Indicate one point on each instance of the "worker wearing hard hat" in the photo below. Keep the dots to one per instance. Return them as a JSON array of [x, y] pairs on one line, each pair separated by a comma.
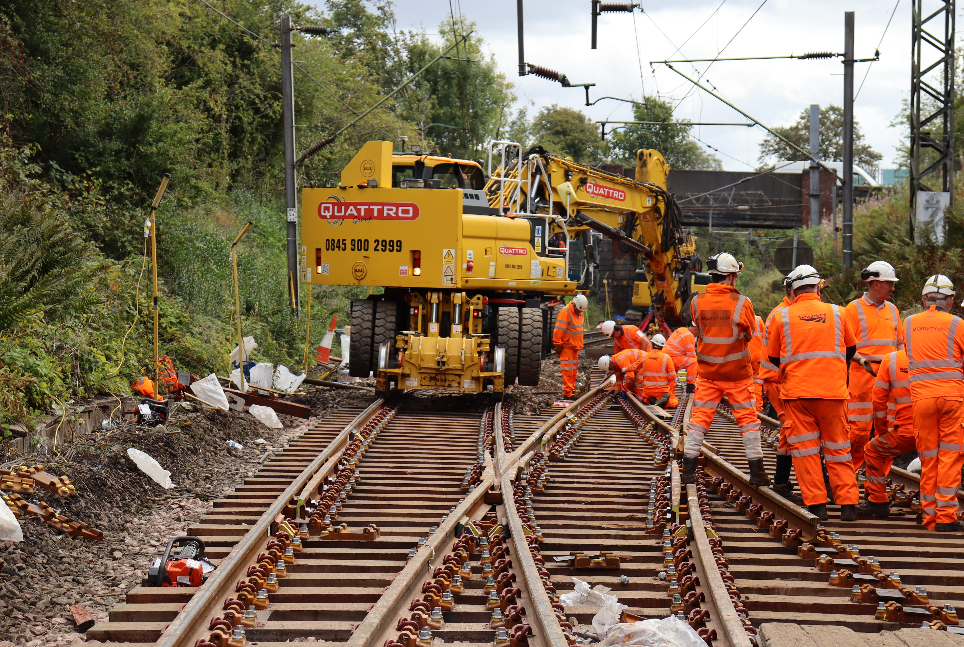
[[567, 339], [625, 365], [935, 350], [681, 348], [656, 383], [770, 375], [725, 323], [876, 324], [624, 336], [812, 344], [893, 431]]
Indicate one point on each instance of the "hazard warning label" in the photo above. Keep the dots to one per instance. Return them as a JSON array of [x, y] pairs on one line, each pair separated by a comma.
[[448, 267]]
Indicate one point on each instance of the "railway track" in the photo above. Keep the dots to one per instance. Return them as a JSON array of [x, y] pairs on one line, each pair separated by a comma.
[[406, 538]]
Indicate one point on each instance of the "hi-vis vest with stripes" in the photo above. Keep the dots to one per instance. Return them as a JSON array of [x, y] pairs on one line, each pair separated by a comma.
[[897, 389], [568, 328], [863, 340], [721, 341], [923, 376], [813, 364]]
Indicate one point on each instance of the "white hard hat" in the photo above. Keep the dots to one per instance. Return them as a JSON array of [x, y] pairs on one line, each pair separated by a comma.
[[723, 263], [879, 271], [603, 363], [939, 284], [658, 340], [580, 301], [607, 328], [803, 275]]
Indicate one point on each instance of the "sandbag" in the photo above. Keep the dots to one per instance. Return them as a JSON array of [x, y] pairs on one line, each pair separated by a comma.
[[249, 345], [286, 381], [209, 390], [151, 467], [9, 526], [266, 415]]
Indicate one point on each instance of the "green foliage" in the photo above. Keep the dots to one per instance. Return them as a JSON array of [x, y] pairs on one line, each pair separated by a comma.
[[568, 132], [670, 137], [831, 141]]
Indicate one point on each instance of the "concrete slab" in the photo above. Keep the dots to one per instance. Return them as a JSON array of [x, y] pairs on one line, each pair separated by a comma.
[[837, 636], [784, 634], [929, 638]]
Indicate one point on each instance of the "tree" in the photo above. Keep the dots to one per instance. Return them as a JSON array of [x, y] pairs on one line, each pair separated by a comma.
[[831, 141], [670, 137], [461, 101], [567, 132]]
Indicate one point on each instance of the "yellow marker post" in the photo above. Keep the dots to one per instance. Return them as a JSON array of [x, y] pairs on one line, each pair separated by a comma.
[[153, 227]]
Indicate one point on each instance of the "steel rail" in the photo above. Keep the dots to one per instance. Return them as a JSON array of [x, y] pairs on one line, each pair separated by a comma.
[[727, 621], [381, 616], [192, 622]]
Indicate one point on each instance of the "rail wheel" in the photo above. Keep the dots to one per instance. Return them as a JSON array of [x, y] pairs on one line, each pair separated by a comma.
[[530, 347], [362, 332], [508, 336]]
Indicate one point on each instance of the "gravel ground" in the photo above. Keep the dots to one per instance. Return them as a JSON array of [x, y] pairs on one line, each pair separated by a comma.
[[49, 571]]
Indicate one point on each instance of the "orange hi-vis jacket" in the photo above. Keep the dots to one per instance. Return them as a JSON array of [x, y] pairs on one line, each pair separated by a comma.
[[757, 352], [568, 330], [935, 346], [892, 405], [811, 340], [726, 322], [876, 327], [628, 363], [658, 375], [680, 345], [769, 372], [631, 337]]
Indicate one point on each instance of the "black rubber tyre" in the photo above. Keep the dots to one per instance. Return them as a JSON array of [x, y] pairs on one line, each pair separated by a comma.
[[530, 347], [362, 328], [508, 336], [549, 328], [386, 317]]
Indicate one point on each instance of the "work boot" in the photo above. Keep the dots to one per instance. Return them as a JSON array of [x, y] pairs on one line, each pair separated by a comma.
[[758, 474], [954, 526], [819, 510], [661, 402], [873, 509], [786, 491], [848, 512], [688, 473]]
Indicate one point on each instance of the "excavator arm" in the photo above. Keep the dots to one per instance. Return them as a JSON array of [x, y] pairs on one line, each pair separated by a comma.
[[638, 214]]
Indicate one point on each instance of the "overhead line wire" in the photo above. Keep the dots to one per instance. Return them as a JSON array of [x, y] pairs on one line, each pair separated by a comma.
[[867, 73], [230, 19]]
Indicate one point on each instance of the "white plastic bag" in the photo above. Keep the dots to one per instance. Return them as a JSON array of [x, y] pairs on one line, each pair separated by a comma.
[[266, 415], [249, 345], [151, 467], [607, 617], [286, 381], [236, 378], [262, 375], [209, 390], [665, 632], [9, 526], [914, 466]]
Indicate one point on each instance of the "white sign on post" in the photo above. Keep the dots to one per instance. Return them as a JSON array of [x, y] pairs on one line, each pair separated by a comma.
[[929, 222]]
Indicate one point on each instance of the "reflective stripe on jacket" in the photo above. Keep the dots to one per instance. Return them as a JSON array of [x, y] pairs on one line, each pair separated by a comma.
[[876, 327], [680, 346], [892, 404], [630, 337], [628, 363], [725, 322], [568, 330], [811, 340], [658, 373], [769, 372], [935, 346]]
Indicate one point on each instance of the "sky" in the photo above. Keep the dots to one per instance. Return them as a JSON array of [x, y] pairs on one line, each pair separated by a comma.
[[557, 35]]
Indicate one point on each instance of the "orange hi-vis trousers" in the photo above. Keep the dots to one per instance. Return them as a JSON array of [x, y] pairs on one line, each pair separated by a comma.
[[707, 398], [860, 410], [879, 454], [758, 393], [772, 389], [569, 366], [810, 424], [940, 442]]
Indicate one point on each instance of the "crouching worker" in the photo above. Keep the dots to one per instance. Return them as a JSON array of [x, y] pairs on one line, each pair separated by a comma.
[[656, 383], [625, 365]]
